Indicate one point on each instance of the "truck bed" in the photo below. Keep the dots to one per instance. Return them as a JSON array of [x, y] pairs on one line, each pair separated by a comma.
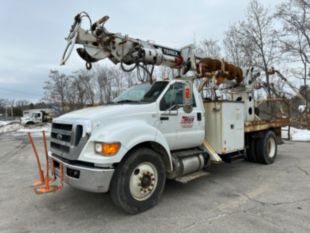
[[253, 126]]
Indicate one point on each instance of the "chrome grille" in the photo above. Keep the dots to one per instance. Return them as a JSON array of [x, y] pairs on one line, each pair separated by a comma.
[[66, 140]]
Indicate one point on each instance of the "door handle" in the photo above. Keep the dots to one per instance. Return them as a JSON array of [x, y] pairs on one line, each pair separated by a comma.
[[199, 116], [164, 118]]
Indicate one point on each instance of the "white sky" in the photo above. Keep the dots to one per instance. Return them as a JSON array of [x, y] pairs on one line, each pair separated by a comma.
[[33, 31]]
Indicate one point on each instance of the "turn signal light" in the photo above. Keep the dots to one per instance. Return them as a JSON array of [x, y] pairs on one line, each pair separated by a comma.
[[107, 148]]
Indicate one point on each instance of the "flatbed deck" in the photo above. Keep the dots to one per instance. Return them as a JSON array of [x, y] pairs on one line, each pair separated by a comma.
[[253, 126]]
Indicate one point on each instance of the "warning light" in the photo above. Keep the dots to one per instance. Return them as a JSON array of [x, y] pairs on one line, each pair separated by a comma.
[[187, 92]]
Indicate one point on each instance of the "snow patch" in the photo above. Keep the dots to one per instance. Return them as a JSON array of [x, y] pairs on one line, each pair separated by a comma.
[[16, 129], [10, 127], [35, 131], [297, 134]]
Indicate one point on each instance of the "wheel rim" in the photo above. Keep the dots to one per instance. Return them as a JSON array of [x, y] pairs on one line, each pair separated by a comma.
[[271, 147], [143, 181]]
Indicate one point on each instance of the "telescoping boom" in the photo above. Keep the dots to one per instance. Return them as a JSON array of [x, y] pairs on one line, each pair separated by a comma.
[[98, 44]]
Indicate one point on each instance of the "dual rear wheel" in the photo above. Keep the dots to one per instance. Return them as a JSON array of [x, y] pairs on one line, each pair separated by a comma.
[[262, 148]]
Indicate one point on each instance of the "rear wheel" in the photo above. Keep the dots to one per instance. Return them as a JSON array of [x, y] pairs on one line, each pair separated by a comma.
[[266, 148], [251, 152], [138, 181]]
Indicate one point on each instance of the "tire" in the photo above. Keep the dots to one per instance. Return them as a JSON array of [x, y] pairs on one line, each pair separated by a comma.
[[138, 181], [266, 148], [251, 153]]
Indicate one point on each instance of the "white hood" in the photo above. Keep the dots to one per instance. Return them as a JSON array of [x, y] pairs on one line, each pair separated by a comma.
[[107, 112]]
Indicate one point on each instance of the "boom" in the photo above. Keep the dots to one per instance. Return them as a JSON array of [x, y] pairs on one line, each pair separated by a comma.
[[98, 44]]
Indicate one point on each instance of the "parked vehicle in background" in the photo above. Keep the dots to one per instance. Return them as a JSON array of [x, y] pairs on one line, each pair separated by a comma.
[[36, 116]]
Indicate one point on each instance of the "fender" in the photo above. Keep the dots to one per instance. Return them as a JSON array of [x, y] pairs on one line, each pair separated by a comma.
[[129, 134]]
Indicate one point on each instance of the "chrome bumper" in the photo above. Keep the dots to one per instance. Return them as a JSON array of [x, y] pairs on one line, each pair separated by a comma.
[[95, 180]]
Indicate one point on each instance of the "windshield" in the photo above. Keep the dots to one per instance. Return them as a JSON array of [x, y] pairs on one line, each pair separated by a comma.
[[144, 93]]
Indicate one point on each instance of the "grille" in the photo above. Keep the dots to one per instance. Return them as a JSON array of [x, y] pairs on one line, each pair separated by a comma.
[[65, 139]]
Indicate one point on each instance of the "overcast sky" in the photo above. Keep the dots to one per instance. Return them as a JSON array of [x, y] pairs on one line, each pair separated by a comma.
[[32, 32]]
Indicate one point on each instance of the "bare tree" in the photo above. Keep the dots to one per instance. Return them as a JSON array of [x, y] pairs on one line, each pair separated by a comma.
[[208, 48], [104, 84], [4, 103], [56, 88], [294, 16], [85, 87], [238, 48], [118, 80], [164, 72], [254, 40], [130, 78]]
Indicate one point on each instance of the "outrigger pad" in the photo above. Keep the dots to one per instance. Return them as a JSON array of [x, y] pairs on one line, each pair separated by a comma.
[[50, 189]]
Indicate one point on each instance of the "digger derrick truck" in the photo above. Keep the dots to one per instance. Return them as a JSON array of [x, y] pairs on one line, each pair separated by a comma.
[[164, 130]]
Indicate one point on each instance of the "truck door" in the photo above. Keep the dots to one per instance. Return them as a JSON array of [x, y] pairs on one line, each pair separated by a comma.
[[182, 130], [37, 117]]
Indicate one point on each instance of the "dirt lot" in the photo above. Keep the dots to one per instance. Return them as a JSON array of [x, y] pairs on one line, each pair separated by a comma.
[[237, 197]]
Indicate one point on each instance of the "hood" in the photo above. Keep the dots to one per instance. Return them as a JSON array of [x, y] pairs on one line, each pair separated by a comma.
[[107, 112]]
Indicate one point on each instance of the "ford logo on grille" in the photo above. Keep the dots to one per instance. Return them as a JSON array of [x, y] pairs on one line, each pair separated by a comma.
[[59, 136]]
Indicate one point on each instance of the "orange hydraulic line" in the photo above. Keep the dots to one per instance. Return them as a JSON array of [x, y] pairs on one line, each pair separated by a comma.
[[41, 181]]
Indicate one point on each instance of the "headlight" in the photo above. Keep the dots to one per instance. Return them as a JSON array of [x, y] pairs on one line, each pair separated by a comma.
[[107, 149]]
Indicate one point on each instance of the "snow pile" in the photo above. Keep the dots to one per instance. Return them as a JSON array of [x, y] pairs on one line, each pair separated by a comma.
[[9, 127], [3, 123], [35, 132], [15, 128], [297, 134]]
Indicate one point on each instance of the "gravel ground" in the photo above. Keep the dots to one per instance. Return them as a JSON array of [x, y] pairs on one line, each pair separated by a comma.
[[236, 197]]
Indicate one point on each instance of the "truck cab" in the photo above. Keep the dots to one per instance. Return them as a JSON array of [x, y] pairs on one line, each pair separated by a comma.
[[91, 143]]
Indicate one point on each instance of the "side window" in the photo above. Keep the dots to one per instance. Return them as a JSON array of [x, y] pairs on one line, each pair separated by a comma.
[[174, 97]]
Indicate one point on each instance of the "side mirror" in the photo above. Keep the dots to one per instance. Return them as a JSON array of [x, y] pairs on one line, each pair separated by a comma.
[[188, 97]]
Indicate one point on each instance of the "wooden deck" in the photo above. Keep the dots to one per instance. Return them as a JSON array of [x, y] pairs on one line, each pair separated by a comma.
[[253, 126]]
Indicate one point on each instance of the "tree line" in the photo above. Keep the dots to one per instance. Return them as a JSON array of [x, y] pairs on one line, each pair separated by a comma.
[[86, 88]]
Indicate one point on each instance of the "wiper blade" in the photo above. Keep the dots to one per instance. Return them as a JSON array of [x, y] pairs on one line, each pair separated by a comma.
[[127, 101]]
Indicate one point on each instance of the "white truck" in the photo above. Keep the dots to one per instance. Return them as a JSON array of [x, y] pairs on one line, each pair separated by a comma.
[[153, 132], [35, 116]]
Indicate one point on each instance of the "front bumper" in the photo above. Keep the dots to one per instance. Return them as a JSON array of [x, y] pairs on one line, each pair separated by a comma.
[[90, 179]]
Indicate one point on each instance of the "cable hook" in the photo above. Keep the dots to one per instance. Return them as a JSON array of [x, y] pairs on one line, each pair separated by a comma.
[[88, 65]]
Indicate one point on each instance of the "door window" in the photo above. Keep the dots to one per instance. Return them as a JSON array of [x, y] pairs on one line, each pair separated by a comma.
[[173, 98]]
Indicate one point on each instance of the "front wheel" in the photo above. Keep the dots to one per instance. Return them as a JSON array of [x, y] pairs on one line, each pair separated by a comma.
[[138, 181]]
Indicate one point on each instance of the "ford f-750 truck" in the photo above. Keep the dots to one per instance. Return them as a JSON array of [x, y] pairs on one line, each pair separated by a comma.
[[168, 130]]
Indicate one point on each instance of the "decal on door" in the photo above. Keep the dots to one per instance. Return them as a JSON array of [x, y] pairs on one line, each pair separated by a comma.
[[187, 121]]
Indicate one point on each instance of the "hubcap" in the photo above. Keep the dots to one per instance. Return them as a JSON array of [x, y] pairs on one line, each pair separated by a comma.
[[271, 147], [143, 181]]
